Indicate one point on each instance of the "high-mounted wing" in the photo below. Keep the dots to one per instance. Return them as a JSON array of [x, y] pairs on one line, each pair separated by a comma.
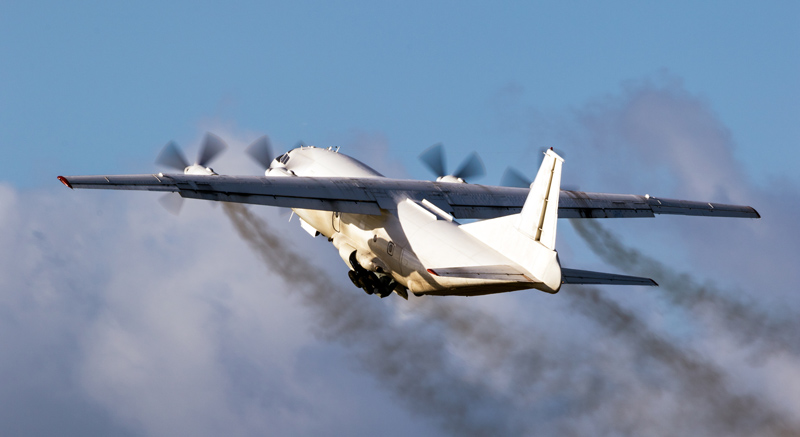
[[370, 195]]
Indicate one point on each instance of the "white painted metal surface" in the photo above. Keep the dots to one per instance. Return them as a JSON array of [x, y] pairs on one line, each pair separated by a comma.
[[399, 235]]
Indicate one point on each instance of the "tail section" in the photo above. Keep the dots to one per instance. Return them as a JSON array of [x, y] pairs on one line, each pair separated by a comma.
[[521, 247], [539, 215], [575, 276], [529, 238]]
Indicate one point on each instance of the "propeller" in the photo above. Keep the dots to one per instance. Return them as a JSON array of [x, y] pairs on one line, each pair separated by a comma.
[[434, 159], [172, 202], [261, 151], [171, 156], [211, 148], [514, 178]]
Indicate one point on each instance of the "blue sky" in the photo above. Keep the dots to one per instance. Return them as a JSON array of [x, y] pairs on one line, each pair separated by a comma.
[[117, 318], [95, 87]]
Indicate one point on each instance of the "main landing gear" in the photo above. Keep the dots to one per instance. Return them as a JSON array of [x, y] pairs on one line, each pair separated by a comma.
[[379, 283]]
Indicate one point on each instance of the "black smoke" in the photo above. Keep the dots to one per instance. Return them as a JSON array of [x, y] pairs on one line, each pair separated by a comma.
[[477, 374], [745, 320]]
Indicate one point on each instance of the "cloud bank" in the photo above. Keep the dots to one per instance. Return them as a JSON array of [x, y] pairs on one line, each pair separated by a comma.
[[119, 319]]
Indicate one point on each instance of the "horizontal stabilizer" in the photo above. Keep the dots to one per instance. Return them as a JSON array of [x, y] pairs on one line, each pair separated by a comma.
[[501, 273], [574, 276]]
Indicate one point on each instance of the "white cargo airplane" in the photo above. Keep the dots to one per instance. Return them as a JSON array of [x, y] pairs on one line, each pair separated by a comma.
[[402, 235]]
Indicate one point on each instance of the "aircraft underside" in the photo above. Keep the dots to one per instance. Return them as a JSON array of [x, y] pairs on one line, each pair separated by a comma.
[[402, 236]]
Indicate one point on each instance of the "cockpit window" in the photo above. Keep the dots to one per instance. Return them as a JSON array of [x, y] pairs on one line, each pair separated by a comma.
[[285, 158]]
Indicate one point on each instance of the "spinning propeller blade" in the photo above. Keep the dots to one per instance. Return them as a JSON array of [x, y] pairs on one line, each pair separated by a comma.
[[172, 202], [211, 148], [513, 178], [433, 157], [261, 151], [471, 168], [172, 157]]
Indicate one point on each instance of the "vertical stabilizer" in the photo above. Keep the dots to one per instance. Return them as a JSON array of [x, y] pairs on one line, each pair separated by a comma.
[[539, 215], [529, 238]]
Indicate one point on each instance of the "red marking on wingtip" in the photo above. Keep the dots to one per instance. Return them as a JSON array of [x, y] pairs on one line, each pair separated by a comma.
[[65, 181], [432, 272]]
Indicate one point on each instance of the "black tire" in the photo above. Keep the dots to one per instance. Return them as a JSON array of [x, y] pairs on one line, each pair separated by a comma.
[[356, 266], [354, 279], [367, 285]]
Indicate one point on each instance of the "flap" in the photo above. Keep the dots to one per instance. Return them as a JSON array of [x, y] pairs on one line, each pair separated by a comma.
[[498, 272]]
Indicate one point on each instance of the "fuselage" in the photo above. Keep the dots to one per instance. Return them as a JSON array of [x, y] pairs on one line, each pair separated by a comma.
[[377, 242]]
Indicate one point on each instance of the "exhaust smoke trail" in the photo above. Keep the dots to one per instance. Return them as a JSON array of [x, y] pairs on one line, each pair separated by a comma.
[[415, 365], [744, 320], [700, 381], [543, 386]]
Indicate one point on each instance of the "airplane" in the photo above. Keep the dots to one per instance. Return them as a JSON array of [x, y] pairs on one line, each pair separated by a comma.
[[404, 236]]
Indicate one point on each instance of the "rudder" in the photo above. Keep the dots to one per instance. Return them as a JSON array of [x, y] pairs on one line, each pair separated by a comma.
[[539, 216]]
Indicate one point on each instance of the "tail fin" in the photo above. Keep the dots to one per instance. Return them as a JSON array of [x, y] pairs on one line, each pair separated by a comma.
[[539, 215], [529, 238]]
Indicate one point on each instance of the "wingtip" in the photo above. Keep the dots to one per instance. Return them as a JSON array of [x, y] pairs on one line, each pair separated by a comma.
[[65, 181]]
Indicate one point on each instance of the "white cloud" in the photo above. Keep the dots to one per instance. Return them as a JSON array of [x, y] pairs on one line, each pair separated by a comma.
[[119, 318], [131, 319]]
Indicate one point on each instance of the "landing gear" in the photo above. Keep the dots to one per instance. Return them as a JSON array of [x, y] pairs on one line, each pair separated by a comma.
[[380, 284], [383, 289], [361, 277], [372, 284], [357, 280]]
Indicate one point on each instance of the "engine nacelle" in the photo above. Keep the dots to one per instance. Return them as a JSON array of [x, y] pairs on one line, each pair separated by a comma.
[[451, 179], [278, 171]]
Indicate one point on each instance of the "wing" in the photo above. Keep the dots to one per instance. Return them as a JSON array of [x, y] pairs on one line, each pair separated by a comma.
[[574, 276], [370, 195]]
